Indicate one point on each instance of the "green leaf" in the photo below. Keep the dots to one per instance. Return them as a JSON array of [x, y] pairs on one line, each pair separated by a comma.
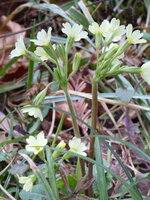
[[146, 36], [18, 168], [147, 3], [125, 95], [55, 9], [51, 172], [37, 193], [101, 179], [85, 11], [8, 65], [3, 156], [79, 17]]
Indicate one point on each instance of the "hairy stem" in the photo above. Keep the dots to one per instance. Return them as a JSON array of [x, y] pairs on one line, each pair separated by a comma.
[[75, 125], [94, 122]]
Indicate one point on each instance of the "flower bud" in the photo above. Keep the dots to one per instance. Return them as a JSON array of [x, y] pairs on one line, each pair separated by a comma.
[[76, 62], [69, 44], [111, 52], [40, 97], [132, 70], [61, 145]]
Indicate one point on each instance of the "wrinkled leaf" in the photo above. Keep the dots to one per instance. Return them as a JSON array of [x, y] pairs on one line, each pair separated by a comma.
[[37, 193]]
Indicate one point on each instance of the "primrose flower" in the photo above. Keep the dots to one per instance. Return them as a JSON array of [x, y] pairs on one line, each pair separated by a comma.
[[33, 111], [61, 145], [40, 52], [95, 28], [145, 72], [43, 38], [99, 30], [114, 30], [77, 146], [36, 144], [19, 50], [135, 36], [74, 31], [27, 181]]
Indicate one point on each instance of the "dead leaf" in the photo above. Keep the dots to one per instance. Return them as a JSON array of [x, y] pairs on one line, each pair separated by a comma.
[[10, 27], [6, 44]]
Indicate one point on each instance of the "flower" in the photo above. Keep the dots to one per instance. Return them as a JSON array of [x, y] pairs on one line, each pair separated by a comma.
[[27, 181], [135, 36], [43, 38], [74, 31], [19, 50], [33, 111], [98, 30], [145, 72], [77, 146], [36, 144], [41, 53], [113, 31], [61, 145]]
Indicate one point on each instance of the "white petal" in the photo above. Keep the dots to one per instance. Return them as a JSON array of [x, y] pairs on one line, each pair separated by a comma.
[[145, 72]]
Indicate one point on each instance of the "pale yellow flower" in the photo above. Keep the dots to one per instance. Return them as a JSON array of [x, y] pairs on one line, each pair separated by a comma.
[[77, 146], [61, 145], [74, 31], [134, 37], [43, 38], [27, 181], [33, 111], [97, 29], [145, 72], [41, 53], [114, 30], [36, 144], [19, 50]]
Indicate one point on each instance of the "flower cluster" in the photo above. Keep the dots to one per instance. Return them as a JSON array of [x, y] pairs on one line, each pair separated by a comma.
[[113, 31], [107, 33]]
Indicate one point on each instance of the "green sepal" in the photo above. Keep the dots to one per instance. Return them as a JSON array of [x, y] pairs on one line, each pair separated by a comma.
[[61, 52], [69, 44], [132, 70], [50, 51], [76, 62], [98, 41]]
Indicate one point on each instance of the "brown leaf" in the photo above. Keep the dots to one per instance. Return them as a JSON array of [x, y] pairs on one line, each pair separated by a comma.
[[5, 124], [10, 27], [20, 67], [83, 184]]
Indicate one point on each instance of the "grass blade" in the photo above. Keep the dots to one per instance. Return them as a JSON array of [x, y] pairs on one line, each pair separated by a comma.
[[51, 172], [101, 179]]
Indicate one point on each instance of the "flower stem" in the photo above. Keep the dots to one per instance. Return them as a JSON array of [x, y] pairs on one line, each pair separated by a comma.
[[75, 125], [94, 122]]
